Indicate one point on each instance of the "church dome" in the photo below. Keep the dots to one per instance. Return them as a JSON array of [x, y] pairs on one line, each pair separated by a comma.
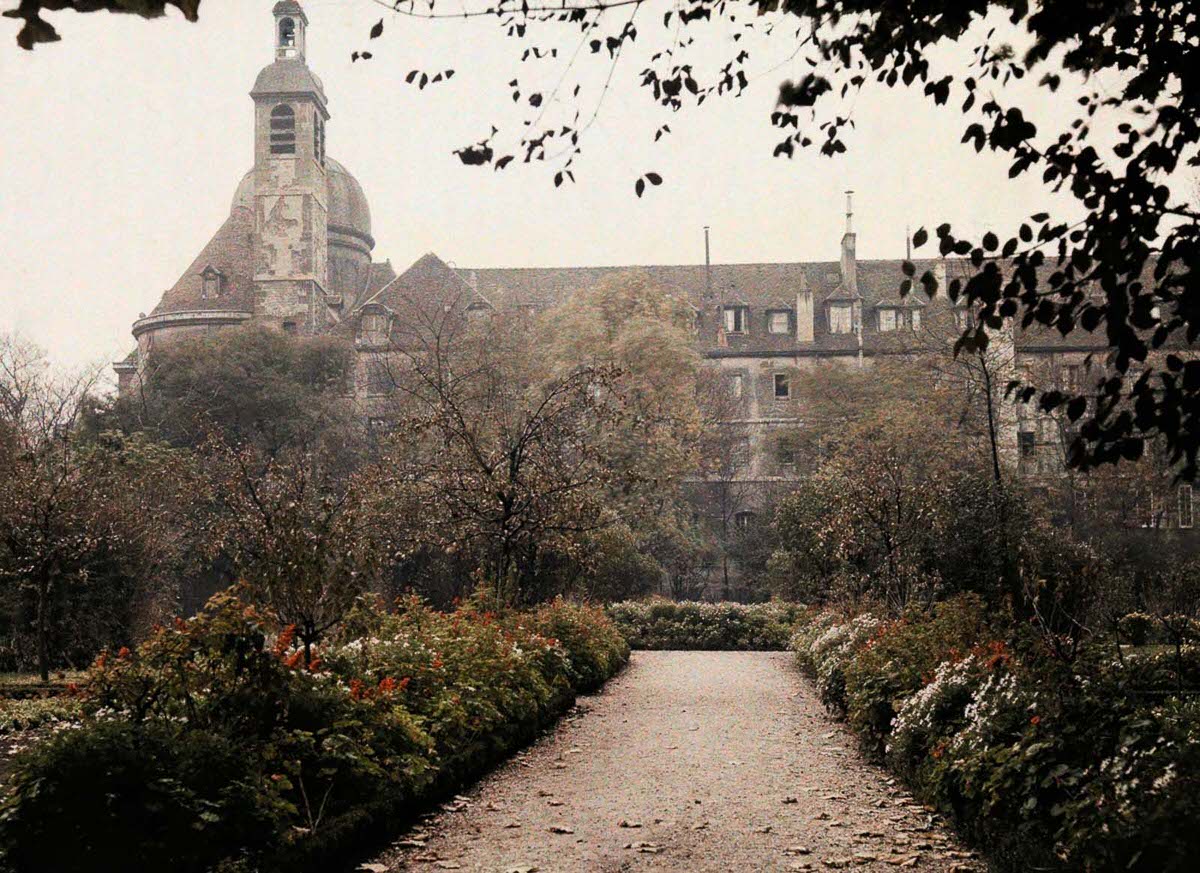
[[347, 206], [285, 77]]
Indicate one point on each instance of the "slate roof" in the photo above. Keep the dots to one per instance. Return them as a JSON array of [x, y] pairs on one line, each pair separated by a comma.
[[230, 252], [380, 275], [761, 287]]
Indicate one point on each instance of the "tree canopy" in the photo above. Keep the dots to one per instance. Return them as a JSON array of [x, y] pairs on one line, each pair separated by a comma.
[[38, 30]]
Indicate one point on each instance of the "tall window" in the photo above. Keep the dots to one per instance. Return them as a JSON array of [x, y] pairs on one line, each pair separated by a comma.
[[319, 140], [916, 319], [379, 377], [735, 319], [783, 386], [840, 318], [212, 283], [737, 384], [887, 320], [287, 32], [1072, 377], [283, 130], [779, 321], [1185, 506]]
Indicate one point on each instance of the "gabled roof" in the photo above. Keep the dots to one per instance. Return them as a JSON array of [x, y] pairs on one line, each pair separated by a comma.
[[230, 253]]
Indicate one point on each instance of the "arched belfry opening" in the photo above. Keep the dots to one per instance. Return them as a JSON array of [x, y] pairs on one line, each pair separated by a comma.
[[290, 22]]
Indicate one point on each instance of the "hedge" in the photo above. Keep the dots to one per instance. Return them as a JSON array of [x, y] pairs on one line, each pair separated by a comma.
[[669, 624], [215, 747], [1091, 764]]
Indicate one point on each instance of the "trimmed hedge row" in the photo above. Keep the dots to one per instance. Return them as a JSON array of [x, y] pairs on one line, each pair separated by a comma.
[[1087, 765], [215, 747], [669, 624]]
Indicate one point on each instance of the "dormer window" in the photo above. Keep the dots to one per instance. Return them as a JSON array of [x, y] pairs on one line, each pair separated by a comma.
[[283, 130], [478, 311], [779, 321], [892, 319], [211, 278], [841, 318], [373, 328], [736, 318]]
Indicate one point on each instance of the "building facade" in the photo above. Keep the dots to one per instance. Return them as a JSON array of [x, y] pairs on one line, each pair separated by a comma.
[[296, 255]]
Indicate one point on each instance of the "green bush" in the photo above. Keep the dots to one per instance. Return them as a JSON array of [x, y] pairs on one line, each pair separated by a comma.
[[669, 624], [1082, 765], [215, 744]]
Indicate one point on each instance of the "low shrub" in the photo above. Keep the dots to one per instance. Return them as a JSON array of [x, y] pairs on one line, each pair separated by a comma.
[[901, 658], [669, 624], [1086, 765], [216, 745]]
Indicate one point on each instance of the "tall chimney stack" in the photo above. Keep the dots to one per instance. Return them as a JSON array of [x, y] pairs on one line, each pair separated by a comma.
[[804, 312], [849, 259], [707, 267]]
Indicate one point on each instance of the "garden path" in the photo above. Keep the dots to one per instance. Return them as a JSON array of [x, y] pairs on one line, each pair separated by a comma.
[[696, 761]]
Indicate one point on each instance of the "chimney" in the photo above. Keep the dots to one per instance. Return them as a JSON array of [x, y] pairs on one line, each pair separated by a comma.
[[849, 261], [804, 312]]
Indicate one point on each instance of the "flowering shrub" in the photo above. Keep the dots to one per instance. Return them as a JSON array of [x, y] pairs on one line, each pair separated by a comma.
[[832, 651], [902, 657], [669, 624], [216, 741], [1090, 765]]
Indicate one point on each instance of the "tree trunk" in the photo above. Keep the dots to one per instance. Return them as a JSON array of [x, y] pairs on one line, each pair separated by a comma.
[[43, 627]]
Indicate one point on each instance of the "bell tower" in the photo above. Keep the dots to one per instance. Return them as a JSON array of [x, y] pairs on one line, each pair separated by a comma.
[[291, 228]]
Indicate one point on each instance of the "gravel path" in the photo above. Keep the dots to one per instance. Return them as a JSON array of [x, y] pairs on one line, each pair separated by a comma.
[[688, 761]]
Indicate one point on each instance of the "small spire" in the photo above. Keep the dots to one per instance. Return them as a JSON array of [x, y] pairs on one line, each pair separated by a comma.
[[849, 211], [908, 242]]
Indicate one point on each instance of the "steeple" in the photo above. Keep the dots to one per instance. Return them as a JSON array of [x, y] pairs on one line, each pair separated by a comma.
[[291, 235]]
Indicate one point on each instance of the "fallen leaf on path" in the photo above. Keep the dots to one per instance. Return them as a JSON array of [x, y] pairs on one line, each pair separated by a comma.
[[544, 793], [411, 844], [373, 868], [800, 865], [529, 868], [559, 829], [448, 865], [837, 863], [822, 816], [513, 824], [904, 861], [765, 829], [623, 823], [797, 850], [703, 826], [555, 803], [865, 857], [790, 799]]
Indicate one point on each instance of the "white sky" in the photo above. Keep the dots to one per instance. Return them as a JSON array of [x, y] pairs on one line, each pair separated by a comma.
[[122, 145]]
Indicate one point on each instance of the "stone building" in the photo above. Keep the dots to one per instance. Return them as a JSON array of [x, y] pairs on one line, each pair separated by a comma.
[[296, 255]]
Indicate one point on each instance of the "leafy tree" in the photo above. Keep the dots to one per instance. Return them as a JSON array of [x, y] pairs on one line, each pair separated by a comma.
[[37, 30], [250, 386], [83, 523], [492, 452], [304, 540]]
